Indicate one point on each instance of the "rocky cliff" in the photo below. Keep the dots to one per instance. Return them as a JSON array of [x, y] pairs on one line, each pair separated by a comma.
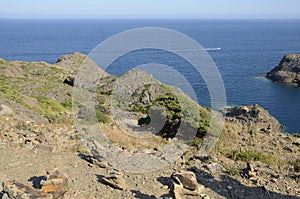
[[288, 70]]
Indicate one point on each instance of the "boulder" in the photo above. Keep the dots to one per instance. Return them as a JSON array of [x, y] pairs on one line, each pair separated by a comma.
[[187, 179], [70, 80], [185, 183], [288, 70]]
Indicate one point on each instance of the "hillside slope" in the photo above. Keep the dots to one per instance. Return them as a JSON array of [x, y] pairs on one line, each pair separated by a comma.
[[252, 158]]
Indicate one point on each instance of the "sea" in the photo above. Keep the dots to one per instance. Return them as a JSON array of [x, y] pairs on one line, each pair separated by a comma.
[[244, 50]]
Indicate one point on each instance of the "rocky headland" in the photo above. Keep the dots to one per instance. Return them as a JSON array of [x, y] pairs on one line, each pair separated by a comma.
[[44, 155], [288, 70]]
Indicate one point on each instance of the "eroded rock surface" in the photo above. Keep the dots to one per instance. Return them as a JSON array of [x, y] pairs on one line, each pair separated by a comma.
[[288, 70]]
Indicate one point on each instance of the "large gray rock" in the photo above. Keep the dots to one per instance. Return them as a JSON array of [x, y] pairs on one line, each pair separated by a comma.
[[288, 70]]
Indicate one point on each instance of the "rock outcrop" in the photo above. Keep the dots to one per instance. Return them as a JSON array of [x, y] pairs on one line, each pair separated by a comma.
[[52, 186], [288, 70], [185, 183], [253, 115]]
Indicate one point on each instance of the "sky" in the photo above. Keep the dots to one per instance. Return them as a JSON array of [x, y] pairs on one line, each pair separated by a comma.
[[149, 8]]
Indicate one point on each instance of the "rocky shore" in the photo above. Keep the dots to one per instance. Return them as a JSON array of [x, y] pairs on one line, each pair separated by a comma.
[[288, 70], [44, 155]]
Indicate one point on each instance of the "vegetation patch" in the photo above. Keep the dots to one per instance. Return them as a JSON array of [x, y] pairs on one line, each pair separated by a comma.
[[101, 117], [248, 155], [197, 142], [51, 109], [9, 92]]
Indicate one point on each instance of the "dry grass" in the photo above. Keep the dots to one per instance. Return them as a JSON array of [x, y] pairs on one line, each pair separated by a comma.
[[121, 138]]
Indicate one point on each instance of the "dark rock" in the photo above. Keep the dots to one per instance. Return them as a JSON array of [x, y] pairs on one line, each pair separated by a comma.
[[69, 81], [296, 142], [204, 158], [288, 70]]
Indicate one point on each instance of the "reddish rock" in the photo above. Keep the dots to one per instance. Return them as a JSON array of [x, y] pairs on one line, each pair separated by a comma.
[[14, 189], [55, 183], [187, 179]]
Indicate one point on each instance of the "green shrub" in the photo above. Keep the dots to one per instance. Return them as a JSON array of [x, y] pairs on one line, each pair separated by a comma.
[[48, 104], [51, 109], [197, 142], [68, 104], [233, 171], [189, 163], [9, 92], [101, 117], [248, 155]]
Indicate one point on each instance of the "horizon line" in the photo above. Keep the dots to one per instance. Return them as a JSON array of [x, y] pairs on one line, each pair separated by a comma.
[[143, 18]]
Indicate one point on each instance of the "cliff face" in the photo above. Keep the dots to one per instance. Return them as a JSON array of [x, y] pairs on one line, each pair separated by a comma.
[[288, 70]]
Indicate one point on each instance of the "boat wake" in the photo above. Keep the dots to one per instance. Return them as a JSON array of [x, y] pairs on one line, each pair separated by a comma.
[[212, 49], [192, 50]]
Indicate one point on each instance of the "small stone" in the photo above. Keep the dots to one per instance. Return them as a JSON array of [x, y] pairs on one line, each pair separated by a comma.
[[5, 110], [116, 180], [187, 179], [229, 187], [296, 142], [177, 191], [165, 187], [204, 158], [5, 196], [215, 168], [274, 180], [94, 161], [75, 195], [287, 148]]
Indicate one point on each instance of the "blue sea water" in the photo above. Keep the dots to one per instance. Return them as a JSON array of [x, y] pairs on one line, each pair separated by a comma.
[[249, 49]]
